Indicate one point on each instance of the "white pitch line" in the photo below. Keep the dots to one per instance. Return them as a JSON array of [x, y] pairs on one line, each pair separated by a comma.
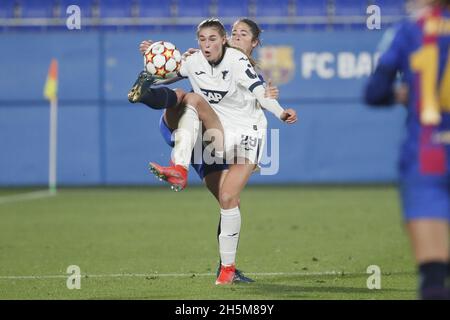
[[25, 196], [177, 275]]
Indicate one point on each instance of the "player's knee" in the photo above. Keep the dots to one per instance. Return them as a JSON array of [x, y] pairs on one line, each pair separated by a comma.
[[180, 95], [195, 101], [191, 98], [228, 200]]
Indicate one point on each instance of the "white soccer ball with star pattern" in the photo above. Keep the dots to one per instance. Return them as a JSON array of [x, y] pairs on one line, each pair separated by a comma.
[[162, 59]]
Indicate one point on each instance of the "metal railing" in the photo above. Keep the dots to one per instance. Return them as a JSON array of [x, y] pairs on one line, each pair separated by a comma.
[[183, 21]]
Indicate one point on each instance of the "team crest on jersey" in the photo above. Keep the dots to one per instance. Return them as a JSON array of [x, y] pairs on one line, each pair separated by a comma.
[[224, 74], [214, 96], [277, 63]]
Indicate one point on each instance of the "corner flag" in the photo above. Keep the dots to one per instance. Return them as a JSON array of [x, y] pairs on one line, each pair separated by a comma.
[[51, 85], [51, 93]]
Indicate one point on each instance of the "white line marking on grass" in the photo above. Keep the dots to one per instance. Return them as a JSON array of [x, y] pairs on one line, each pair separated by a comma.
[[25, 196], [178, 275]]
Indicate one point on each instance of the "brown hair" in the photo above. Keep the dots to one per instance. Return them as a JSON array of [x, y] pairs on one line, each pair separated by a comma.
[[256, 33], [254, 28], [212, 23], [215, 23]]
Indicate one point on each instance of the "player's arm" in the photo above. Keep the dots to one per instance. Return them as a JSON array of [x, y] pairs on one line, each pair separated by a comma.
[[144, 45], [247, 77], [271, 90], [161, 82], [272, 105], [380, 89]]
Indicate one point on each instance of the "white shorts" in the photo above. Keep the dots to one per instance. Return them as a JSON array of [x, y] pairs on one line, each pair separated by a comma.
[[243, 143]]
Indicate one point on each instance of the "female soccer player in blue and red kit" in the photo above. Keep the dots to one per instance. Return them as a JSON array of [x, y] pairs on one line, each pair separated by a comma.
[[420, 52]]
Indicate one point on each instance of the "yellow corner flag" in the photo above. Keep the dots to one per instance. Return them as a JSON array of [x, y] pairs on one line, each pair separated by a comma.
[[51, 86]]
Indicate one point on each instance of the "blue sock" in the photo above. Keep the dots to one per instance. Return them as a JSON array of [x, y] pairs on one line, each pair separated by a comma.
[[159, 98]]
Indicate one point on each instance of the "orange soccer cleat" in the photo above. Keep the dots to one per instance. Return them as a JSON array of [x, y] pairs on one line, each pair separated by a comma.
[[226, 275], [239, 276], [176, 175]]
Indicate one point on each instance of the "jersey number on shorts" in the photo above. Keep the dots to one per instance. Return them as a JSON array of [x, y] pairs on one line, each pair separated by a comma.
[[248, 142]]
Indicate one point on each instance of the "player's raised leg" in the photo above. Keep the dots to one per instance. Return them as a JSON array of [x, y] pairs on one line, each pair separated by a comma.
[[196, 109], [154, 97]]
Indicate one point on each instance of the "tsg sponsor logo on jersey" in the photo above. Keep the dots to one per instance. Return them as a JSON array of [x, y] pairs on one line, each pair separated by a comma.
[[342, 65], [214, 96], [277, 63]]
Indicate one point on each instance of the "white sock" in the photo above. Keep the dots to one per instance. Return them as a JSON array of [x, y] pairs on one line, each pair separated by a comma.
[[230, 226], [185, 137]]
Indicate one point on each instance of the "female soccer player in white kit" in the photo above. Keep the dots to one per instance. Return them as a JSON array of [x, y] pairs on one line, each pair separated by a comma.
[[226, 78], [245, 35]]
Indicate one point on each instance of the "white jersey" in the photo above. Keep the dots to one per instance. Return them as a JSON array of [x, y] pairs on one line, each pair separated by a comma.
[[228, 88]]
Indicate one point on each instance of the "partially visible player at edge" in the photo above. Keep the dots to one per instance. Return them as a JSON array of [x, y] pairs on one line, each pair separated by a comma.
[[420, 51]]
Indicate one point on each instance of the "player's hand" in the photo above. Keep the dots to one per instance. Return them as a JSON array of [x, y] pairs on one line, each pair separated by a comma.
[[144, 45], [272, 91], [188, 53], [289, 116]]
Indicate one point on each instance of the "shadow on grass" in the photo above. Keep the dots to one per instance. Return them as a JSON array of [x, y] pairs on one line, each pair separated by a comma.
[[294, 287], [281, 291], [326, 287]]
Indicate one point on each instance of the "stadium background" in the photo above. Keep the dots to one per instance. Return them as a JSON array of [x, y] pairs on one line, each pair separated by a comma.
[[319, 53]]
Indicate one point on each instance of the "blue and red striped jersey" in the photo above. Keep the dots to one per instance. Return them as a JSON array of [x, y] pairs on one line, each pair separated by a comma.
[[419, 50]]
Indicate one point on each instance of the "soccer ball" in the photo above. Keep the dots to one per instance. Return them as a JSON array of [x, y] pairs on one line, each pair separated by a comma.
[[162, 59]]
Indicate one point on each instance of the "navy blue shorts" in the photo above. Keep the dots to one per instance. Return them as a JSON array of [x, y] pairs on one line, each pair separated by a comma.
[[425, 197], [202, 169]]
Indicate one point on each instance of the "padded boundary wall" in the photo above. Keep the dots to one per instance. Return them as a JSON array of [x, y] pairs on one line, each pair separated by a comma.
[[104, 140]]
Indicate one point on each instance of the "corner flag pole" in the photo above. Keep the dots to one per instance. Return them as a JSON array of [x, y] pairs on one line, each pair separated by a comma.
[[53, 145], [51, 93]]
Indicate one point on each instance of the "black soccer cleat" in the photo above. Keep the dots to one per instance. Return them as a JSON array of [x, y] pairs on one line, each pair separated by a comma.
[[143, 83], [239, 276]]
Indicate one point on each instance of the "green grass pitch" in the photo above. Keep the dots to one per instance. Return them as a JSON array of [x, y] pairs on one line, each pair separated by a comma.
[[151, 243]]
